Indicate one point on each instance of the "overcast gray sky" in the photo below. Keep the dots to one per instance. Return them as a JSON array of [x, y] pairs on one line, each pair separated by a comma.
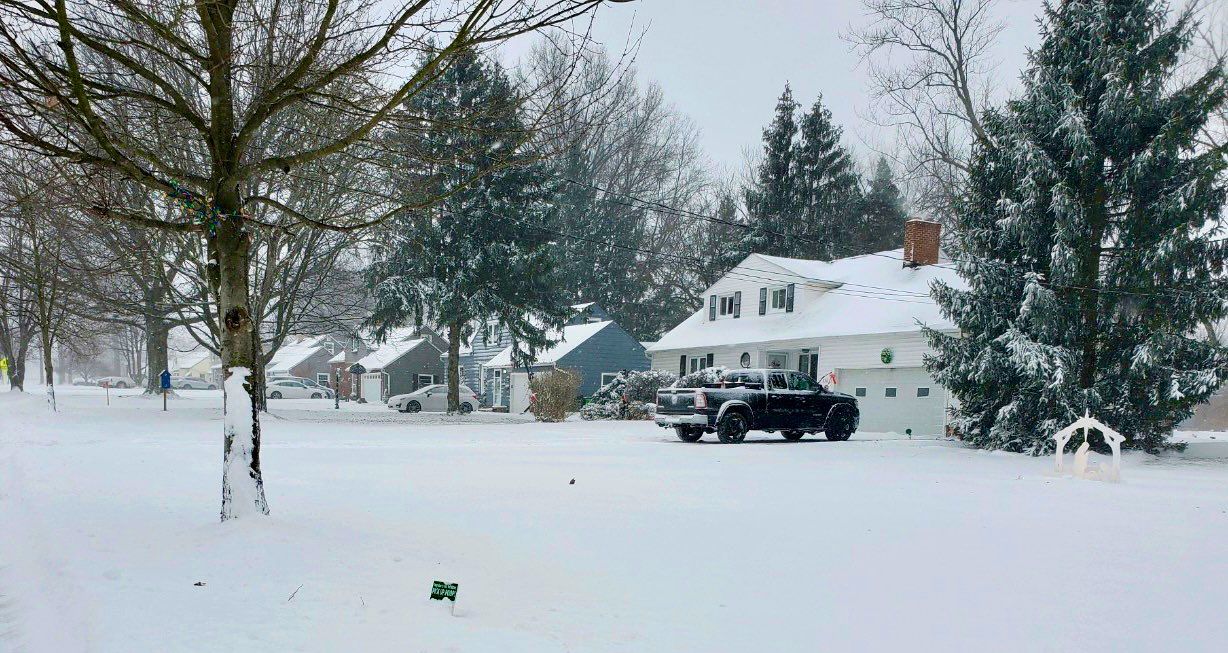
[[724, 62]]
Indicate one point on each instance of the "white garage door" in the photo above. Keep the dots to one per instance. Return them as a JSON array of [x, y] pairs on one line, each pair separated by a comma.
[[896, 399], [372, 387]]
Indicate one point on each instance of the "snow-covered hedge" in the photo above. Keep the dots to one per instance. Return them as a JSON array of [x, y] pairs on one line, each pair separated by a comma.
[[554, 394], [698, 379], [640, 388]]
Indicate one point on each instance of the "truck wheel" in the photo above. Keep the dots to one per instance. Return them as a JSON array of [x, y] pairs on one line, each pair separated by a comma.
[[839, 425], [732, 428], [688, 433], [793, 436]]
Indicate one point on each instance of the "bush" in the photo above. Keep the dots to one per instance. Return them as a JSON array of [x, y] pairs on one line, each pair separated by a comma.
[[554, 394], [698, 379], [639, 388]]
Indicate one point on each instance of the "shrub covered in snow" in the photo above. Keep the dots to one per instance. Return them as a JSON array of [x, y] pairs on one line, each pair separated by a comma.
[[698, 379], [554, 394], [639, 388]]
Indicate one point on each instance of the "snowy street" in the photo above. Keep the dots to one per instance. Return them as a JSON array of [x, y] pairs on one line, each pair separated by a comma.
[[110, 519]]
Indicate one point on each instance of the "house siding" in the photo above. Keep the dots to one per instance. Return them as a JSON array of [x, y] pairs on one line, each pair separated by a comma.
[[610, 350], [401, 375]]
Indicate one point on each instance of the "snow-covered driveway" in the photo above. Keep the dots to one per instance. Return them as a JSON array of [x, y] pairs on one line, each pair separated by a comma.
[[108, 518]]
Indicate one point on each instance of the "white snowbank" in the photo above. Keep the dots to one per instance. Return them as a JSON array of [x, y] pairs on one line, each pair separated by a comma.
[[109, 519]]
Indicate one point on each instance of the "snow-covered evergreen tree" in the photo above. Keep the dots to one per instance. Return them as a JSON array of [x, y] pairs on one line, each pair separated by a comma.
[[771, 200], [882, 217], [471, 259], [1090, 239], [828, 191]]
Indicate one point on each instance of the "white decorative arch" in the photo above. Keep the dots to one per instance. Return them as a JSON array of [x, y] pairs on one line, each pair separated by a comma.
[[1113, 438]]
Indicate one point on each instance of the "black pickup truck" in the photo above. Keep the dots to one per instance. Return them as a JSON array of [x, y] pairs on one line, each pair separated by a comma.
[[762, 400]]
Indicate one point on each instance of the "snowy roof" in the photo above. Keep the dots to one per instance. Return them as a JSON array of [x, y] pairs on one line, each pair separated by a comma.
[[339, 358], [867, 294], [570, 338], [289, 355], [397, 345], [192, 358]]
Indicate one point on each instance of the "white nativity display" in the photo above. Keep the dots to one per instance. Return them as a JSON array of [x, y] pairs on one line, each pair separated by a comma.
[[1081, 469]]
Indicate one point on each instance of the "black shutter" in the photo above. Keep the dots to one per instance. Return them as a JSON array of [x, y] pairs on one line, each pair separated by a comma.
[[709, 360], [712, 308], [737, 304], [763, 301], [682, 366], [789, 298]]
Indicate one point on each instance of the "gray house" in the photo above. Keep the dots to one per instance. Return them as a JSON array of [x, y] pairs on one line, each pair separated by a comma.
[[591, 344], [405, 362]]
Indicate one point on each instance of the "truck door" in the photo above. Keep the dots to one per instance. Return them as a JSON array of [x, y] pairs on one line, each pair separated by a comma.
[[781, 402], [809, 402]]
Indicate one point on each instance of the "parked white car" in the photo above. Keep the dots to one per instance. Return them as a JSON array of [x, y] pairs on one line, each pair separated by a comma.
[[116, 382], [433, 398], [191, 383], [295, 389]]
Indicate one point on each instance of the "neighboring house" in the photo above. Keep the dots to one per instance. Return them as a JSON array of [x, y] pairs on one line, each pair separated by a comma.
[[305, 357], [855, 321], [491, 339], [405, 362], [196, 364], [340, 365], [590, 343]]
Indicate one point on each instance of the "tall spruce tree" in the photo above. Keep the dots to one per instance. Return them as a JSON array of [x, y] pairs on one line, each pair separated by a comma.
[[827, 191], [882, 218], [1089, 241], [469, 260], [771, 199]]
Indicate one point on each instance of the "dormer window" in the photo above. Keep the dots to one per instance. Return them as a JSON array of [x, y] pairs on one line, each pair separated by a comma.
[[777, 299], [728, 305]]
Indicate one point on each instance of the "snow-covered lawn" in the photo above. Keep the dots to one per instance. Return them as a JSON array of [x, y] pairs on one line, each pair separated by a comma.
[[108, 519]]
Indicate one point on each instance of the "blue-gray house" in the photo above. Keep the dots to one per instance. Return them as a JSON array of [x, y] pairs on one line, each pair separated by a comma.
[[590, 343]]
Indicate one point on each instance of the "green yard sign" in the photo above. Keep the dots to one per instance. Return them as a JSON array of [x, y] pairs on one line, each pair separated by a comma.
[[441, 590]]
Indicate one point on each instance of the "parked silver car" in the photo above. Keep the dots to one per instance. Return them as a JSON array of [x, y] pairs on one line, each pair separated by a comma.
[[288, 388], [191, 383], [116, 382], [433, 398]]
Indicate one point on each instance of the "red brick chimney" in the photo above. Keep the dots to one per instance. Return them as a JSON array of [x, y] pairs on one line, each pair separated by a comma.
[[921, 239]]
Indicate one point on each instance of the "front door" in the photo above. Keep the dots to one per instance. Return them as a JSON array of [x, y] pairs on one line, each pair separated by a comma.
[[497, 391]]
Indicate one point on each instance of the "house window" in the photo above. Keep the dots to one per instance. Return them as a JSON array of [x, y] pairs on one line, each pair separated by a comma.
[[859, 392], [322, 379], [777, 361], [697, 363], [724, 305], [425, 380], [608, 377], [923, 392], [889, 392], [776, 299]]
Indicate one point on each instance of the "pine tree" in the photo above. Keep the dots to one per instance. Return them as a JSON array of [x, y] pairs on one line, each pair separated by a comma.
[[882, 216], [828, 191], [474, 258], [771, 200], [1089, 240]]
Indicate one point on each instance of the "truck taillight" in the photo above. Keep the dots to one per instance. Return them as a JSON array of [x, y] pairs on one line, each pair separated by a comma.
[[701, 400]]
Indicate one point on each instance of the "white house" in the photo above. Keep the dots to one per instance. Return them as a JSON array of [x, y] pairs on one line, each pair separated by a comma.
[[856, 321]]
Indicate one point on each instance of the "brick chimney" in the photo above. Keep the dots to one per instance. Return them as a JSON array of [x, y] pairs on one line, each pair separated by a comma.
[[921, 238]]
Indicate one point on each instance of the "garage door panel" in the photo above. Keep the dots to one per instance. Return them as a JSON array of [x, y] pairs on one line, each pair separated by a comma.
[[925, 415]]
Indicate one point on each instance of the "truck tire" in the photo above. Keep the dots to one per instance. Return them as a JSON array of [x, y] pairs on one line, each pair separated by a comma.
[[793, 436], [689, 433], [732, 428], [839, 426]]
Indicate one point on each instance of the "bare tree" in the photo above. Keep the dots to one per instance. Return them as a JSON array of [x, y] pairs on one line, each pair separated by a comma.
[[90, 82], [931, 65]]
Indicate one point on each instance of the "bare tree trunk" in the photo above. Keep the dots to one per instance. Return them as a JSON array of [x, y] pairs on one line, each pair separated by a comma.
[[454, 336], [259, 395], [48, 364], [156, 351], [242, 483], [17, 374]]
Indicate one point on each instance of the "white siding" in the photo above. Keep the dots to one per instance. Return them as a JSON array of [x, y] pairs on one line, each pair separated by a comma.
[[839, 352]]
